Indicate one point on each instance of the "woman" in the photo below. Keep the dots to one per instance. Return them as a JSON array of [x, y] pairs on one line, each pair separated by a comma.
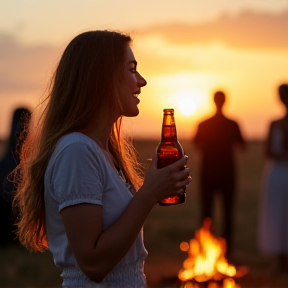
[[273, 236], [77, 193]]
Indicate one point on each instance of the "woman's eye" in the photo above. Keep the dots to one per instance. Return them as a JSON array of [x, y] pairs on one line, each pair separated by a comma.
[[133, 69]]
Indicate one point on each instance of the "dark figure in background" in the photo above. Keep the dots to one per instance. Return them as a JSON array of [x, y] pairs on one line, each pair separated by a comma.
[[273, 220], [216, 138], [7, 164]]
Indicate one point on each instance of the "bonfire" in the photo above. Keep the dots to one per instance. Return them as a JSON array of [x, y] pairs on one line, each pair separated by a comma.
[[206, 261]]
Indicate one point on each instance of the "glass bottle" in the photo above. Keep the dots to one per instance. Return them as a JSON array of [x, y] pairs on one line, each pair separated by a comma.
[[169, 151]]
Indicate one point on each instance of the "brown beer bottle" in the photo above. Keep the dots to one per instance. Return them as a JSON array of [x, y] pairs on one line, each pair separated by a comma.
[[169, 151]]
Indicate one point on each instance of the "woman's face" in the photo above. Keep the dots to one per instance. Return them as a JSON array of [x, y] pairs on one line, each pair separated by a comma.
[[131, 86]]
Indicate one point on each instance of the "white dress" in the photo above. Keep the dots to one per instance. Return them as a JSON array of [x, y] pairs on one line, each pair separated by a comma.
[[273, 212]]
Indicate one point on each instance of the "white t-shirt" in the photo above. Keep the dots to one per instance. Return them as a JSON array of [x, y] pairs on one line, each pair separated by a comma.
[[78, 172]]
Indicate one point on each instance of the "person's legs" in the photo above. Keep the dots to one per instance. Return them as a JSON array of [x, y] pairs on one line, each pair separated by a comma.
[[207, 201], [280, 265], [228, 215]]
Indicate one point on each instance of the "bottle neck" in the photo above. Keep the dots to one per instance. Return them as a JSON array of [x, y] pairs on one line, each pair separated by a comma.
[[169, 132]]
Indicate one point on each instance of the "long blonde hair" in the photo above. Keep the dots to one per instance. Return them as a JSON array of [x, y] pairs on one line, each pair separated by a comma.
[[84, 84]]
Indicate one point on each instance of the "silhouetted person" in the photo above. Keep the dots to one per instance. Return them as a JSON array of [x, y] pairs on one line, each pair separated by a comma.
[[7, 164], [273, 221], [216, 138]]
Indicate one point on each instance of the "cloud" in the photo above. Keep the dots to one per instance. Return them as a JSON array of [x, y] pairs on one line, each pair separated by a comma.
[[245, 30], [24, 68]]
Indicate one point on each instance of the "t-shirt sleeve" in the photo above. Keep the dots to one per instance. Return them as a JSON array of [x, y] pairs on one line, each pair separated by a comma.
[[77, 176]]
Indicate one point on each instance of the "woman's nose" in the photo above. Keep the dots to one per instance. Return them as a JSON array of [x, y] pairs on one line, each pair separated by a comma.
[[141, 81]]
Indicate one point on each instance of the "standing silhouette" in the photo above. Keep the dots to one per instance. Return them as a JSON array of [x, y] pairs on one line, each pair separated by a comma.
[[273, 221], [7, 164], [216, 138]]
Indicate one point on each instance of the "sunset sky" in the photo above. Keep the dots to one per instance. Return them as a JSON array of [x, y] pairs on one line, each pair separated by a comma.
[[186, 49]]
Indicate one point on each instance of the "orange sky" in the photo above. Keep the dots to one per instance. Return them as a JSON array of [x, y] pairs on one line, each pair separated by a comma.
[[245, 54]]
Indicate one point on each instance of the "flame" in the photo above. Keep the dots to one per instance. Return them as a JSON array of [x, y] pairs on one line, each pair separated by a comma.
[[206, 258]]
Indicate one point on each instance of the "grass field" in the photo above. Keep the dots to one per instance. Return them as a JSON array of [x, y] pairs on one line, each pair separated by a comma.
[[167, 227]]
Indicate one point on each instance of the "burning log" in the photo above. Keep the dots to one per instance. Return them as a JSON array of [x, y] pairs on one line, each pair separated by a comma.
[[226, 283], [206, 265]]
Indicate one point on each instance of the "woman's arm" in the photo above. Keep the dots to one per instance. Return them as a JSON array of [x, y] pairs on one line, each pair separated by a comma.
[[97, 251]]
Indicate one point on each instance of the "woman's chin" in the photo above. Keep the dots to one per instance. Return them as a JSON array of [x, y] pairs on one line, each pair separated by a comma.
[[131, 111]]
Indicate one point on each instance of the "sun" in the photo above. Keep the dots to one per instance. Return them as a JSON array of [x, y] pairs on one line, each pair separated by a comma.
[[187, 106], [188, 101]]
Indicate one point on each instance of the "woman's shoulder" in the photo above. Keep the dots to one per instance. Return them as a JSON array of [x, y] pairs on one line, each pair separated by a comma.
[[275, 124], [279, 123], [76, 138], [76, 143]]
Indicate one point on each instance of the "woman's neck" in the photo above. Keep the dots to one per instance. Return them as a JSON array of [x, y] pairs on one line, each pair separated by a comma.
[[101, 137]]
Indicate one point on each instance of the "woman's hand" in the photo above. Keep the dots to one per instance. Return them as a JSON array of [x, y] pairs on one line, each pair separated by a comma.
[[165, 182]]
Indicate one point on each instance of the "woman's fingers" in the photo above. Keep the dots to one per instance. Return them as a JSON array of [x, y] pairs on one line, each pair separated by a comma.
[[168, 181], [184, 174], [179, 164]]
